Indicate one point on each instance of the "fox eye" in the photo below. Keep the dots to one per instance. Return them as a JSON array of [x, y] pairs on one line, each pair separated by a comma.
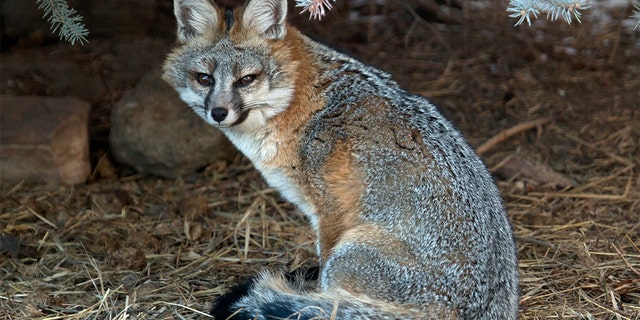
[[245, 81], [204, 79]]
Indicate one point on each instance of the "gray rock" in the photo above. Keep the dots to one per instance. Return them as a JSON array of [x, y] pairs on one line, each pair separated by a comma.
[[154, 132]]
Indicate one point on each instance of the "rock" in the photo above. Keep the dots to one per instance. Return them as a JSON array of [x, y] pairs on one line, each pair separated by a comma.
[[95, 73], [154, 132], [44, 139]]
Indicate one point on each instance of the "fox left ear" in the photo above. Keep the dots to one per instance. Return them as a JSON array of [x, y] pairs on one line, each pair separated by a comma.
[[267, 17], [195, 18]]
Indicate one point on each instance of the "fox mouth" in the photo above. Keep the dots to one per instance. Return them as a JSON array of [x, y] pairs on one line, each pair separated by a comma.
[[243, 116], [239, 120]]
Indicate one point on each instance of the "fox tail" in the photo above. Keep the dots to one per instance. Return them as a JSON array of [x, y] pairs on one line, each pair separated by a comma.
[[287, 296]]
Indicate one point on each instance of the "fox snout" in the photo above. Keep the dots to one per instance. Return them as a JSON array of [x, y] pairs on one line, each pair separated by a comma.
[[222, 107], [219, 114]]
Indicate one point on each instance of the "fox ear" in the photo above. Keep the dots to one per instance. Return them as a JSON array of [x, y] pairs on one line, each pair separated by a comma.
[[195, 18], [266, 17]]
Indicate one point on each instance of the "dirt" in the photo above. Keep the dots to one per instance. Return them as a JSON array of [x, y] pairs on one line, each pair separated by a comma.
[[130, 246]]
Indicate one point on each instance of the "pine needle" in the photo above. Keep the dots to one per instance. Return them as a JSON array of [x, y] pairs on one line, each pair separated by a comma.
[[316, 8], [555, 9], [64, 20]]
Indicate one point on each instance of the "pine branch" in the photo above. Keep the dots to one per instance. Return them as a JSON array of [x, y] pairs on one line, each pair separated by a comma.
[[64, 20], [555, 9], [316, 8], [522, 9]]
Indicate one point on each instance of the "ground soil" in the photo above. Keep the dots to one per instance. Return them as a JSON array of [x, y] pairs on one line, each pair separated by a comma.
[[139, 247]]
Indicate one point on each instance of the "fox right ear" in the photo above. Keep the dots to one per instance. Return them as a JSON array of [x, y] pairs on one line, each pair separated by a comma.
[[195, 18], [267, 17]]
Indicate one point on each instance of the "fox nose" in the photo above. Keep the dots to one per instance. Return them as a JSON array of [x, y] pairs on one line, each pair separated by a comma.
[[219, 114]]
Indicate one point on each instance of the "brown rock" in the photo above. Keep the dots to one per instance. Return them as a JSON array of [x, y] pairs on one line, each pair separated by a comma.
[[44, 139]]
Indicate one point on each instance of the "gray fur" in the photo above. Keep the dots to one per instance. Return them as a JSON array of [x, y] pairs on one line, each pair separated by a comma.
[[413, 203], [444, 249]]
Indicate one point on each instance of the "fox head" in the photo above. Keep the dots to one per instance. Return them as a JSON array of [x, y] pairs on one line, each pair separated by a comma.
[[232, 67]]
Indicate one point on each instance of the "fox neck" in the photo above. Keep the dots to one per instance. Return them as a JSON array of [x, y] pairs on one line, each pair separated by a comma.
[[272, 146]]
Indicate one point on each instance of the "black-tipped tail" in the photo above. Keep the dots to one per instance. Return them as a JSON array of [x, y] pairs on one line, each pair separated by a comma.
[[225, 306]]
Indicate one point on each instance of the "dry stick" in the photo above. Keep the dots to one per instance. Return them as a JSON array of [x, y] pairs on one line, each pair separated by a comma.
[[614, 156], [625, 260], [245, 219], [629, 239], [372, 13], [612, 176], [14, 189], [42, 218], [506, 134], [427, 25], [599, 305], [614, 197], [188, 308], [543, 243]]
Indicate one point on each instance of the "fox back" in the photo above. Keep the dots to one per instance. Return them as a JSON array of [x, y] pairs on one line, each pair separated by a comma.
[[409, 222]]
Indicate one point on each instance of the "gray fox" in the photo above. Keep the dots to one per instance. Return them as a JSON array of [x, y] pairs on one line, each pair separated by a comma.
[[409, 222]]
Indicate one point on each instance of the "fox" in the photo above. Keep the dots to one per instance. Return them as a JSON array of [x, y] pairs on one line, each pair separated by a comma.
[[408, 221]]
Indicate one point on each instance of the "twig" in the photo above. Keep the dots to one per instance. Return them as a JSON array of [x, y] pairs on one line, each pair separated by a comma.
[[625, 260], [543, 243], [186, 307], [597, 196], [601, 306], [14, 189], [47, 221], [506, 134], [616, 157]]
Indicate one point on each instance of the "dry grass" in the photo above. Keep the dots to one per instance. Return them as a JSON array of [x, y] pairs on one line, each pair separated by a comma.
[[138, 247], [142, 248]]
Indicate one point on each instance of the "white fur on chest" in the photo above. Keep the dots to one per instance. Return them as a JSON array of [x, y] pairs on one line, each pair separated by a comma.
[[261, 149]]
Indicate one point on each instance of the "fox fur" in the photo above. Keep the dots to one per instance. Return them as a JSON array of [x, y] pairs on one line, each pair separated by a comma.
[[409, 222]]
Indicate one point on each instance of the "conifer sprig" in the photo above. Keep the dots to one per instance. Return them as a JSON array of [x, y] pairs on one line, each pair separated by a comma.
[[555, 9], [636, 14], [64, 20], [316, 8]]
